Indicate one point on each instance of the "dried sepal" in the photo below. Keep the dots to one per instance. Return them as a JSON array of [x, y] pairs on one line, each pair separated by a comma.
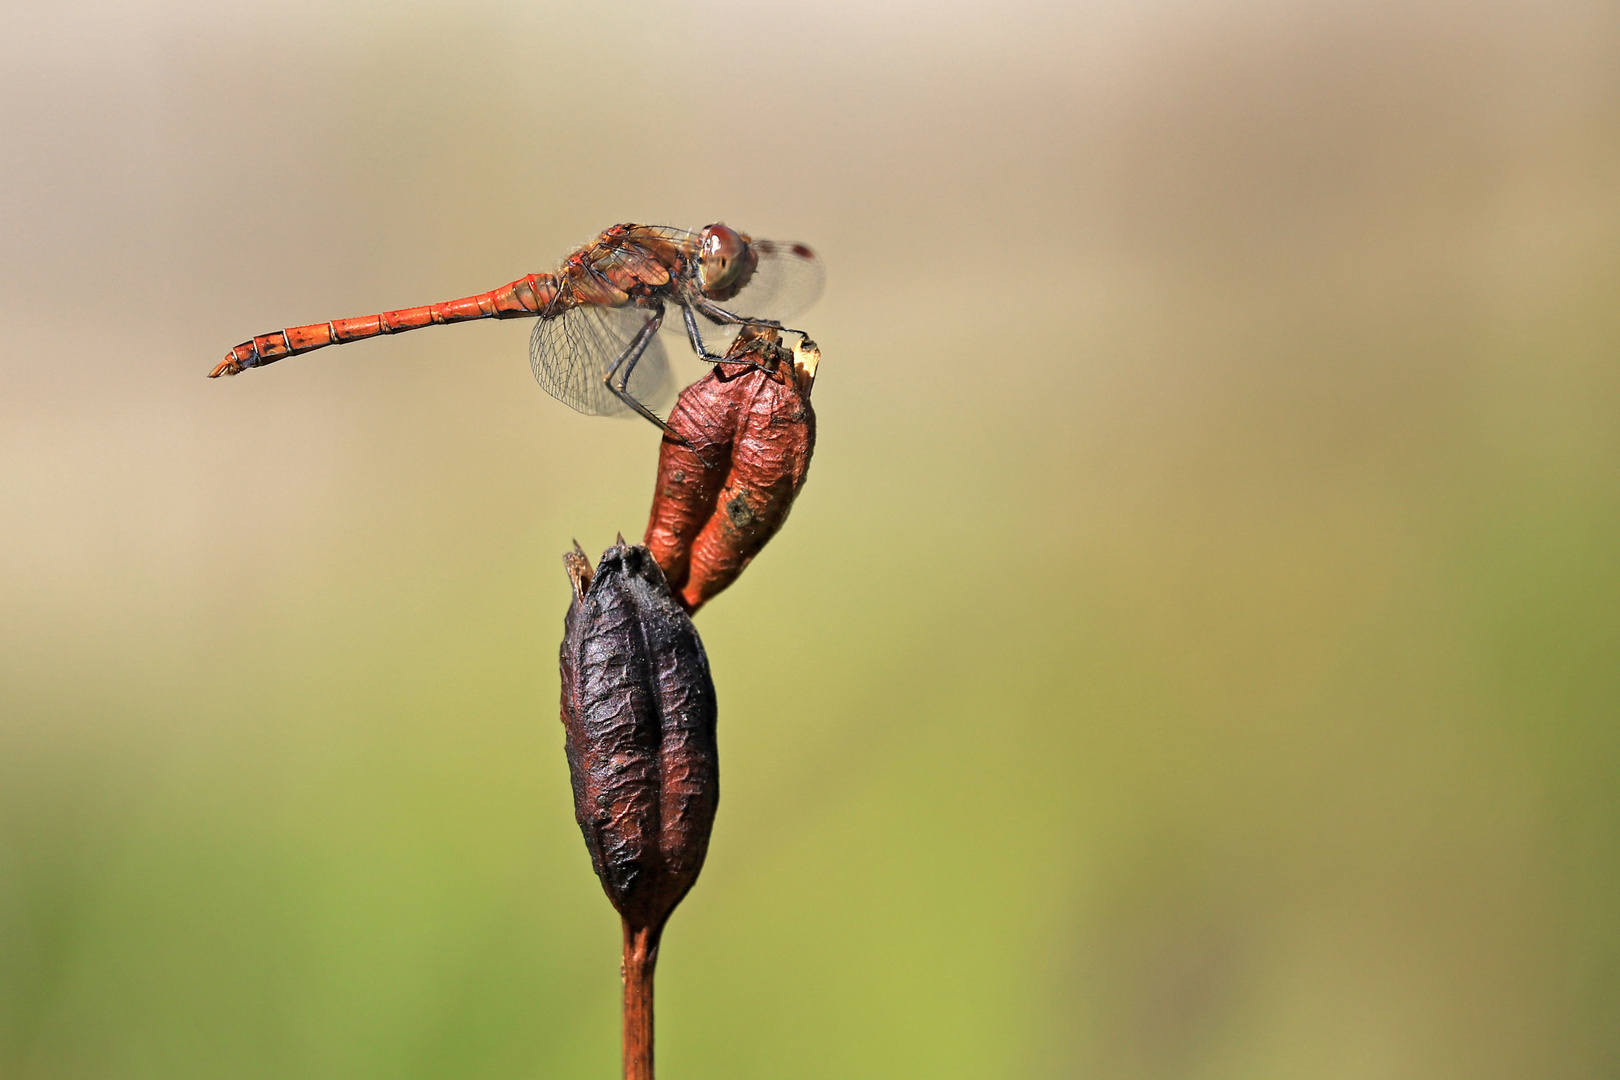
[[806, 358]]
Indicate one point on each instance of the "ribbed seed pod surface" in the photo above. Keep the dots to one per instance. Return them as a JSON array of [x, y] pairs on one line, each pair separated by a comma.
[[638, 712], [746, 432]]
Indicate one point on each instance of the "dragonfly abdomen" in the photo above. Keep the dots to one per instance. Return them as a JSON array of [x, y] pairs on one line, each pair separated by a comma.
[[526, 297]]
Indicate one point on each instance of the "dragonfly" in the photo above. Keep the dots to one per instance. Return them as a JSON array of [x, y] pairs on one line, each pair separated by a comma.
[[595, 346]]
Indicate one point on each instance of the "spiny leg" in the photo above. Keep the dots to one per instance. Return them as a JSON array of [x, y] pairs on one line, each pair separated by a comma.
[[702, 350], [628, 360], [697, 338], [720, 314]]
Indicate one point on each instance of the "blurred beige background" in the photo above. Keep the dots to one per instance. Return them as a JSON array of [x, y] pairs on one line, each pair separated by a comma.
[[1194, 654]]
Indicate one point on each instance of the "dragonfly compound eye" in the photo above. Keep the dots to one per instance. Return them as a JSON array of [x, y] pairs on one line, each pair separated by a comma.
[[725, 263]]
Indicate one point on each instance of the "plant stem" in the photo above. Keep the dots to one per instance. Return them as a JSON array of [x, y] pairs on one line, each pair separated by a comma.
[[640, 958]]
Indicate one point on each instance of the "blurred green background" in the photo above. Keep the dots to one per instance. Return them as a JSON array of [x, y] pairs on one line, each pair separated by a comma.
[[1195, 653]]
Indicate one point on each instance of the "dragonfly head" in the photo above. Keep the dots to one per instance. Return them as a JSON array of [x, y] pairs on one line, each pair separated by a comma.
[[726, 261]]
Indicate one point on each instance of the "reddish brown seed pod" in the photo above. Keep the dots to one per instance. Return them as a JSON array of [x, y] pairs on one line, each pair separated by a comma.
[[723, 492], [638, 712]]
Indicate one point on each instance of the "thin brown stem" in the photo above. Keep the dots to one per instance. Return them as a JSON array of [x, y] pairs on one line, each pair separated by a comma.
[[640, 958]]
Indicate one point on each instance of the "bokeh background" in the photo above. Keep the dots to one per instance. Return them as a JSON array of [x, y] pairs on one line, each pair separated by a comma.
[[1195, 653]]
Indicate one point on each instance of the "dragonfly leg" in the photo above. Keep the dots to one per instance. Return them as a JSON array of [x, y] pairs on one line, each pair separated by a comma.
[[703, 350], [697, 339], [720, 314], [628, 360], [705, 354]]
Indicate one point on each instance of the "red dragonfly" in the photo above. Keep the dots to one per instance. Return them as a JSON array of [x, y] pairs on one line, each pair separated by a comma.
[[596, 345]]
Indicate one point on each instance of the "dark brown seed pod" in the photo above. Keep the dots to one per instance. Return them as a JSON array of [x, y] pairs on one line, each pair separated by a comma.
[[638, 714], [724, 491], [638, 710]]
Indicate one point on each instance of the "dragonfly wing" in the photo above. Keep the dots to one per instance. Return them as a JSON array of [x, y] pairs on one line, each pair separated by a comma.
[[788, 279], [570, 355]]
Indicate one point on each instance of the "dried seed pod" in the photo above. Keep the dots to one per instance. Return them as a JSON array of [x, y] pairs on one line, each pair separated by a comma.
[[638, 715], [638, 709], [748, 432]]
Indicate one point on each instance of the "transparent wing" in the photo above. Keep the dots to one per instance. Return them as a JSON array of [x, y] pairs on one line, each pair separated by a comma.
[[685, 238], [572, 352], [788, 279]]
